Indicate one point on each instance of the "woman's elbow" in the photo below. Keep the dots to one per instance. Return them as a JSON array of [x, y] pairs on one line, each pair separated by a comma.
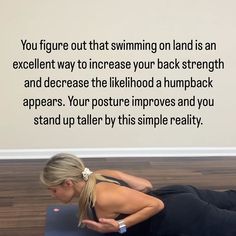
[[148, 187], [159, 206]]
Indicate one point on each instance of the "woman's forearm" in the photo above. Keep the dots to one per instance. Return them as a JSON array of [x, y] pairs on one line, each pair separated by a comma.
[[137, 183]]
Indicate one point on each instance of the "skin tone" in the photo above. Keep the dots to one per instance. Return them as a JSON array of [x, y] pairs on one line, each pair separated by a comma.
[[113, 199], [66, 191]]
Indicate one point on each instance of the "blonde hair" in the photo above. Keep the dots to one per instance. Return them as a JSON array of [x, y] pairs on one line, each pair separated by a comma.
[[65, 166]]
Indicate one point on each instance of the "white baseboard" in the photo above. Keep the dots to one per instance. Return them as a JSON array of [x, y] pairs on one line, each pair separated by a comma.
[[119, 152]]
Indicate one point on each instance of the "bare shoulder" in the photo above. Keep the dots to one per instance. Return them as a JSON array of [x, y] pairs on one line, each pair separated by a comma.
[[113, 199], [109, 194], [104, 191], [106, 194]]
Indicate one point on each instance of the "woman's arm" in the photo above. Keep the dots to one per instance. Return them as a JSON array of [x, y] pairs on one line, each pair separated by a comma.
[[113, 200], [134, 182]]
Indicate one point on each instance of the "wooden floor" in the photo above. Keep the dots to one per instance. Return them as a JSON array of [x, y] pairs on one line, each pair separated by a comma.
[[23, 201]]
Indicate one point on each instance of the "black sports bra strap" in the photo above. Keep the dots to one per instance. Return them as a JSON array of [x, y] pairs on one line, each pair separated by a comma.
[[121, 182]]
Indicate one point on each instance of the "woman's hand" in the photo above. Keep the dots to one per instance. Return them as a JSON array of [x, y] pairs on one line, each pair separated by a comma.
[[103, 226]]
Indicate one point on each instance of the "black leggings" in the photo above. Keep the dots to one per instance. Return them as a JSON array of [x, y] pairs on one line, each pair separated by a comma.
[[193, 212], [222, 200]]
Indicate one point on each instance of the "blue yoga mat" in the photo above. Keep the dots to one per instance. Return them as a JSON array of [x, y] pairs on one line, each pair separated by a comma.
[[62, 220]]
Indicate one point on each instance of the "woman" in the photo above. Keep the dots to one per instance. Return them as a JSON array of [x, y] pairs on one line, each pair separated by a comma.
[[114, 202]]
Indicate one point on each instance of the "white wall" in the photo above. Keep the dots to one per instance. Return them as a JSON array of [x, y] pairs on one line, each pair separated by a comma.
[[154, 21]]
